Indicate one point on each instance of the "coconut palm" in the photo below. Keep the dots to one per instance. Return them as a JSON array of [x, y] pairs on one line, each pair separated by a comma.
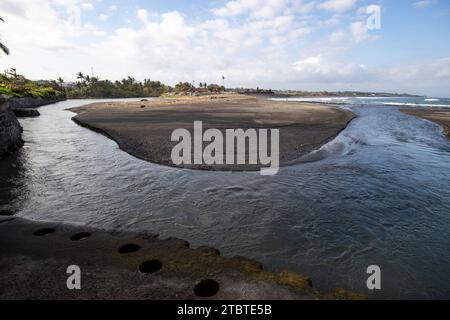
[[80, 75], [2, 46], [60, 82]]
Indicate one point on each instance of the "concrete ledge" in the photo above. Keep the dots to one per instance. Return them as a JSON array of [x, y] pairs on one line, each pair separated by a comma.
[[34, 258]]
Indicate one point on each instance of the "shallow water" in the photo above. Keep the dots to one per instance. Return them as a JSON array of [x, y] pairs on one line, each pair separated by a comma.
[[378, 194]]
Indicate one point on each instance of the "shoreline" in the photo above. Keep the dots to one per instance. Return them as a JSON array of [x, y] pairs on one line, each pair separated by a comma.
[[35, 255], [143, 128], [436, 115]]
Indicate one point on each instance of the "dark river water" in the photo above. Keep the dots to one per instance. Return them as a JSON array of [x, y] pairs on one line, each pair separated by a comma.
[[379, 194]]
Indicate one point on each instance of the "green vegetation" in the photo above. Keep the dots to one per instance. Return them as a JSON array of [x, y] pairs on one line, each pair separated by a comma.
[[184, 87], [215, 88], [17, 85], [93, 87]]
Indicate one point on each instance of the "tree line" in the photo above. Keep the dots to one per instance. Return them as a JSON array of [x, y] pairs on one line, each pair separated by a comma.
[[92, 87], [16, 85]]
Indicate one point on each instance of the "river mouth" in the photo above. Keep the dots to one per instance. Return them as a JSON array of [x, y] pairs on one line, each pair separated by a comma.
[[377, 194]]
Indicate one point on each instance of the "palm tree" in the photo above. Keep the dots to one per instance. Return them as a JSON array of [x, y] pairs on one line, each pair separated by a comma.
[[80, 75], [60, 81], [2, 46]]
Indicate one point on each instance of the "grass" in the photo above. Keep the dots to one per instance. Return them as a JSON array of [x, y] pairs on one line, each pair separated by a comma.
[[30, 90]]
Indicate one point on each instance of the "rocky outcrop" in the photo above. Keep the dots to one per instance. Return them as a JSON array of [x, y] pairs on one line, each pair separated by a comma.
[[10, 129], [30, 102], [26, 113]]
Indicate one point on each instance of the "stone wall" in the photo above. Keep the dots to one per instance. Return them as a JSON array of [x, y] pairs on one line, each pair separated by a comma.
[[10, 129]]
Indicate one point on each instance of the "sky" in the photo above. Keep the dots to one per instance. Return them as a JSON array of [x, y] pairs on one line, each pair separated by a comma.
[[318, 45]]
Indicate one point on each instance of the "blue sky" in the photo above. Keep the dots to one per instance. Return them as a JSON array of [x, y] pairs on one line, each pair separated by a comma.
[[281, 44]]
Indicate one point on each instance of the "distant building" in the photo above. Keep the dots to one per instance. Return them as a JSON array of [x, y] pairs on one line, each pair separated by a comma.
[[41, 82], [69, 84]]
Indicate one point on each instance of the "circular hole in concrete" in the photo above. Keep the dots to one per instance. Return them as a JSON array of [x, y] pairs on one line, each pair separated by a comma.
[[44, 232], [80, 236], [150, 266], [6, 213], [128, 248], [206, 288]]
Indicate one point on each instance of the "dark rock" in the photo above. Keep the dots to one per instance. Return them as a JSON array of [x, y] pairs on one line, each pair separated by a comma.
[[44, 232], [248, 263], [10, 129], [209, 250], [80, 236], [26, 113], [30, 102], [179, 242]]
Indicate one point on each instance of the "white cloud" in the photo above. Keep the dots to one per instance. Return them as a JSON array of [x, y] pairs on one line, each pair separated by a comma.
[[424, 3], [12, 8], [256, 8], [112, 8], [103, 17], [300, 6], [88, 6], [93, 30], [338, 5], [318, 69], [234, 8], [247, 42], [360, 32], [142, 15]]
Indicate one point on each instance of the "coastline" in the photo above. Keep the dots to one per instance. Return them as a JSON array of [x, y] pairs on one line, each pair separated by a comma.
[[436, 115], [143, 128], [33, 265]]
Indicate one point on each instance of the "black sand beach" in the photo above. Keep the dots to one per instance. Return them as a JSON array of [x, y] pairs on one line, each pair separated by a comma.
[[439, 116], [144, 129]]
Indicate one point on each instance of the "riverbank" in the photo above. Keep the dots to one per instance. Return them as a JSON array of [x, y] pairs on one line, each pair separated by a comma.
[[144, 128], [436, 115], [34, 258]]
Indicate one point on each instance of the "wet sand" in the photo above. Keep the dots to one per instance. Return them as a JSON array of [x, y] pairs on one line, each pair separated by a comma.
[[33, 265], [144, 128], [439, 116]]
